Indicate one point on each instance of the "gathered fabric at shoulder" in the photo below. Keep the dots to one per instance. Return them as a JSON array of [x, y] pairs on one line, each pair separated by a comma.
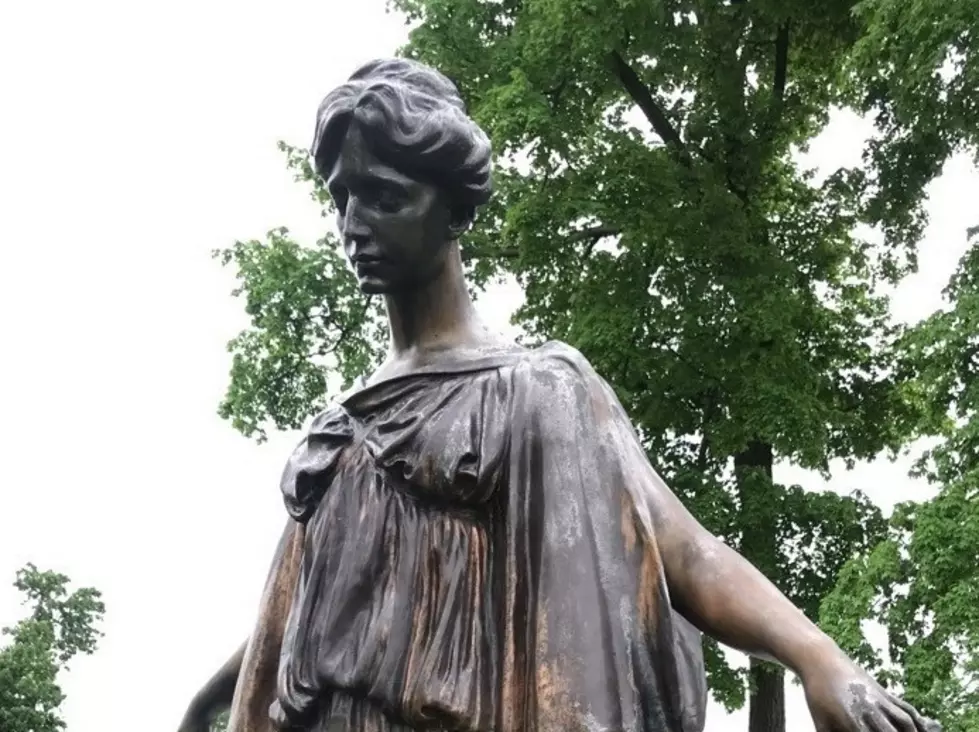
[[442, 437], [314, 462], [439, 433]]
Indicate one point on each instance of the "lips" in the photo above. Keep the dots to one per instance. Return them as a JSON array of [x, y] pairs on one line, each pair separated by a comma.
[[366, 264], [366, 258]]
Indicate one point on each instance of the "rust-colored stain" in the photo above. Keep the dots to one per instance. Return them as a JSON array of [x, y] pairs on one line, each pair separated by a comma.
[[650, 571], [542, 630], [514, 704], [461, 622], [256, 688], [557, 709], [629, 521], [635, 537]]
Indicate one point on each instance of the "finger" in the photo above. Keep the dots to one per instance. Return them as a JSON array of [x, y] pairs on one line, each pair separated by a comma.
[[901, 720], [876, 721], [921, 722]]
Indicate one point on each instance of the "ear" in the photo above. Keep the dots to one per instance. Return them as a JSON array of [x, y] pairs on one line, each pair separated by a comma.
[[460, 220]]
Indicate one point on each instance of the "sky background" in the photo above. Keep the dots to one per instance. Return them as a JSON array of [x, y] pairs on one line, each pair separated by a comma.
[[134, 139]]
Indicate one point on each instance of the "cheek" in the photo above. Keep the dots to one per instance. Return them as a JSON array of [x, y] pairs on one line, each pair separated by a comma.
[[418, 232], [438, 223], [435, 229]]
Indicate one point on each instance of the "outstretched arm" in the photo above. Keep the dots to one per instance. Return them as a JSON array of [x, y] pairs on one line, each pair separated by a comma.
[[729, 599], [215, 696], [218, 693]]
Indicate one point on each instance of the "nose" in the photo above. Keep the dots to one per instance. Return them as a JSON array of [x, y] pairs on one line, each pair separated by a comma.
[[352, 227]]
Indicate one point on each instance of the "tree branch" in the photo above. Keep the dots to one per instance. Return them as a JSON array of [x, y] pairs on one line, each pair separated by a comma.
[[703, 452], [593, 236], [768, 129], [708, 412], [345, 332], [554, 95], [595, 233], [647, 103], [781, 63], [468, 255]]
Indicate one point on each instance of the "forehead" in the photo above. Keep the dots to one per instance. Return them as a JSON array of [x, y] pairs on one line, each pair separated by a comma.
[[356, 161]]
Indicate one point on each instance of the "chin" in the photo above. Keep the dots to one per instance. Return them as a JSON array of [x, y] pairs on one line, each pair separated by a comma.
[[375, 286]]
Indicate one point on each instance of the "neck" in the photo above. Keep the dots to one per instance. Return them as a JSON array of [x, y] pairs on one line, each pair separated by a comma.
[[438, 315]]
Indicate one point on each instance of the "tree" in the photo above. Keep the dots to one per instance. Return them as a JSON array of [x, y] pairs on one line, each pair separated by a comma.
[[918, 66], [308, 319], [922, 582], [646, 153], [60, 626], [920, 62]]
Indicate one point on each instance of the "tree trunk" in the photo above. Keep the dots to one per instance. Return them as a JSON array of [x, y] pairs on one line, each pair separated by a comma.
[[759, 545], [766, 706]]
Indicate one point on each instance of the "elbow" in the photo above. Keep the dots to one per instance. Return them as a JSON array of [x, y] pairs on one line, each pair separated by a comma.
[[694, 574]]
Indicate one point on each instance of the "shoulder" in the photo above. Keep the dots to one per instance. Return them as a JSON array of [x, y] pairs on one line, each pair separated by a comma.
[[555, 379], [558, 363]]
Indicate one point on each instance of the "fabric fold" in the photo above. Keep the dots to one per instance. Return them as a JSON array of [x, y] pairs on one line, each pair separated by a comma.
[[480, 555], [311, 466]]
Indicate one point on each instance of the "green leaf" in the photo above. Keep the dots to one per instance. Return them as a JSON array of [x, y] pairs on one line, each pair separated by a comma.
[[60, 625], [651, 204]]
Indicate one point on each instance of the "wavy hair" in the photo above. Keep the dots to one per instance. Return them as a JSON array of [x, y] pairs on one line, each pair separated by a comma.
[[414, 119]]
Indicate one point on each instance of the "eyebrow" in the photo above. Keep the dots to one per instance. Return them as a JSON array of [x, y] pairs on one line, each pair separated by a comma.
[[389, 176]]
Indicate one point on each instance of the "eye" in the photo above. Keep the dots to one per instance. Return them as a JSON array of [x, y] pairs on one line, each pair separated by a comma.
[[339, 196], [389, 199]]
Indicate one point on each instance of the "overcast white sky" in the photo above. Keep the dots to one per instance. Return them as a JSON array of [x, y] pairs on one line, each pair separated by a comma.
[[135, 138]]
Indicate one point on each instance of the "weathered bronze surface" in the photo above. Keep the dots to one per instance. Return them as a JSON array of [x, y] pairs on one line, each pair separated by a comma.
[[476, 538], [256, 682]]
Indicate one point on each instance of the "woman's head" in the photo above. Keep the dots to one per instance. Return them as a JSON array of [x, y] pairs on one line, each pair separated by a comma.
[[414, 119], [406, 167]]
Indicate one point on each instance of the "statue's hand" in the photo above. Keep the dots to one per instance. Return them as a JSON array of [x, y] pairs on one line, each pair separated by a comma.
[[844, 698]]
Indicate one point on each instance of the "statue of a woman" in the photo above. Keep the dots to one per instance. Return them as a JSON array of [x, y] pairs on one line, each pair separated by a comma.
[[476, 539]]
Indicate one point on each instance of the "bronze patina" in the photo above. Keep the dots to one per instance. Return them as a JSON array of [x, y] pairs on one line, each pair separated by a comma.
[[476, 540]]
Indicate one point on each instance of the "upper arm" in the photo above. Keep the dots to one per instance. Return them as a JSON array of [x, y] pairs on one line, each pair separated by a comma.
[[681, 540], [578, 414]]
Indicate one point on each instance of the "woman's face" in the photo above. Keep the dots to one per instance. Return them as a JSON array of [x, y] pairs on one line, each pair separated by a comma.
[[395, 229]]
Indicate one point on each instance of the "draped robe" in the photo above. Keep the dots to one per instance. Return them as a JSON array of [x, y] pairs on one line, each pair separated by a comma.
[[472, 548]]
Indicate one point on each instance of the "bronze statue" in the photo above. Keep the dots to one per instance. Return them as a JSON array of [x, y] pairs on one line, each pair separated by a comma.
[[476, 540]]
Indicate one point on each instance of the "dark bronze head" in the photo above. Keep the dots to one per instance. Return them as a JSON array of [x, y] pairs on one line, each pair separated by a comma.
[[406, 168]]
